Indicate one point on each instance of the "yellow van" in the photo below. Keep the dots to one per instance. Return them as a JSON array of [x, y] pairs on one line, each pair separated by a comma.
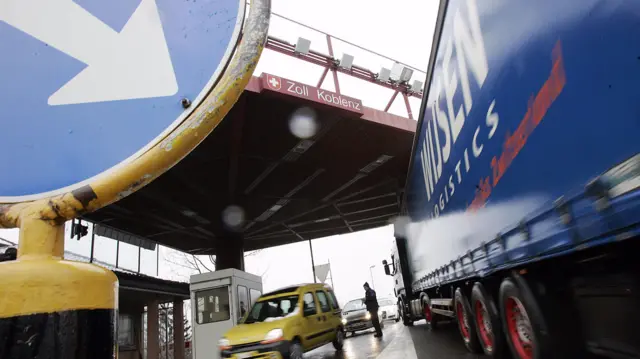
[[285, 324]]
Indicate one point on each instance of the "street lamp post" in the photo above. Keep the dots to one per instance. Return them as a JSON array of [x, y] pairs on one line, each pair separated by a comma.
[[373, 285], [313, 265]]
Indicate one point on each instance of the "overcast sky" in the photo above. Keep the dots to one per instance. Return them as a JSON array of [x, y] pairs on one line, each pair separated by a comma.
[[400, 29]]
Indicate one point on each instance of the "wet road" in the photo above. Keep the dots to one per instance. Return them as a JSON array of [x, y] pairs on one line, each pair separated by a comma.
[[361, 346], [397, 342], [444, 343]]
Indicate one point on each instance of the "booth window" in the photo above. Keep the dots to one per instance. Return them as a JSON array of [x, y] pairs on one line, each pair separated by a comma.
[[213, 305], [243, 301], [125, 331], [324, 302], [255, 294]]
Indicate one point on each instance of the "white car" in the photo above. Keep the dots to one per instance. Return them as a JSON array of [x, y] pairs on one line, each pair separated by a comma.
[[388, 309]]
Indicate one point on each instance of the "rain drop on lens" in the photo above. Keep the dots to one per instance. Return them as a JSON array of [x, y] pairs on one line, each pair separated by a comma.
[[303, 124], [233, 216]]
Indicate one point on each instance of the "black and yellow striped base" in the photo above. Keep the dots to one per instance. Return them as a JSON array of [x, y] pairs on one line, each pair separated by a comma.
[[56, 309], [74, 334]]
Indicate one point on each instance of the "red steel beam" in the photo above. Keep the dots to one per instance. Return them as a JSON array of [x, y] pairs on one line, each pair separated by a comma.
[[328, 61]]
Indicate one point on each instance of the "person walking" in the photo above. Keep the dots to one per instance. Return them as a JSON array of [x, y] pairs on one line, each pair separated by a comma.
[[371, 302]]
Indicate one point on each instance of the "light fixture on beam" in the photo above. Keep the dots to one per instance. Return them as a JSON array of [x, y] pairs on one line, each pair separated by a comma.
[[401, 73], [346, 62], [406, 74], [302, 46], [384, 75], [396, 71], [417, 86]]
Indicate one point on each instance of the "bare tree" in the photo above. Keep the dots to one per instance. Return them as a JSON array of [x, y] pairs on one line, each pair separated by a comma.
[[197, 264]]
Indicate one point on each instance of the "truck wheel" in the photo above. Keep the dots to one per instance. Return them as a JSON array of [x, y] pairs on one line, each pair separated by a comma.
[[431, 318], [406, 320], [466, 325], [522, 321], [542, 324], [488, 322]]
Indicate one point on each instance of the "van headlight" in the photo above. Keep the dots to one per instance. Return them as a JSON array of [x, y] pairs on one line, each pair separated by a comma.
[[224, 344], [367, 316], [274, 335]]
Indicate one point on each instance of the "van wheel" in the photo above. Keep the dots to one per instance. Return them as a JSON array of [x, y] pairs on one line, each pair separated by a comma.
[[466, 325], [295, 351], [487, 320], [338, 342]]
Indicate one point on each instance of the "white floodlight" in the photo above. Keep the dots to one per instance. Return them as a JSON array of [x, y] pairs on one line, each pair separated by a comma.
[[302, 46], [396, 71], [417, 86], [406, 74], [384, 74], [346, 62], [401, 73]]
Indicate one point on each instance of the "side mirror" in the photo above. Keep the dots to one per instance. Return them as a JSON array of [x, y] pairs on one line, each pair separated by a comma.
[[387, 271]]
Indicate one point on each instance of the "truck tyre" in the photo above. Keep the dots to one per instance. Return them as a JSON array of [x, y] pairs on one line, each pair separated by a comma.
[[553, 323], [488, 323], [406, 319], [523, 322], [431, 318], [466, 322]]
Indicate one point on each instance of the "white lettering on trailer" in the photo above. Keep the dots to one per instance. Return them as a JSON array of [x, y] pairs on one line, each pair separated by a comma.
[[467, 44], [492, 119]]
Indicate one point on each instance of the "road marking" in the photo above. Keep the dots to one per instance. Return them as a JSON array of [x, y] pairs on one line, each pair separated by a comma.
[[400, 347]]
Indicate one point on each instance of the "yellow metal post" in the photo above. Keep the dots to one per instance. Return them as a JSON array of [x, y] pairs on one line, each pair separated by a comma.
[[52, 308]]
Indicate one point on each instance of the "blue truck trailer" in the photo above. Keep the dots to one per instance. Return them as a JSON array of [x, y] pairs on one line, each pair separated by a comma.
[[521, 212]]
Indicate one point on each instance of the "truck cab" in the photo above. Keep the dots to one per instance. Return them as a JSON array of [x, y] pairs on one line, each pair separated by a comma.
[[398, 268]]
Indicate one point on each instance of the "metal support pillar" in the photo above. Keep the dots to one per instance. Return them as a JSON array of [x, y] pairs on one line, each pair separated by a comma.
[[52, 307], [393, 98], [313, 265], [333, 70], [230, 252], [407, 105], [118, 253], [178, 330], [93, 241], [153, 330], [331, 271]]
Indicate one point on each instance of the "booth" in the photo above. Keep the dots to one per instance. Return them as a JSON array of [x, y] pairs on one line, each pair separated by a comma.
[[218, 301]]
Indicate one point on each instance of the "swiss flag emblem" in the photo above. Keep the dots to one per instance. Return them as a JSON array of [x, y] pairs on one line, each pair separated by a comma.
[[274, 82]]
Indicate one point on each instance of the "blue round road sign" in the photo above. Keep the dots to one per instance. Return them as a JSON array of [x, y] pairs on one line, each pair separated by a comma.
[[88, 85]]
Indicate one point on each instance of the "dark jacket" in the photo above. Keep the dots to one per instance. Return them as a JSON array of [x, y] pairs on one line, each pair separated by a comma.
[[370, 300]]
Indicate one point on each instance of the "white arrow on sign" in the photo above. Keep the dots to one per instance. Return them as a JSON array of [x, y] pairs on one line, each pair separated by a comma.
[[132, 64]]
